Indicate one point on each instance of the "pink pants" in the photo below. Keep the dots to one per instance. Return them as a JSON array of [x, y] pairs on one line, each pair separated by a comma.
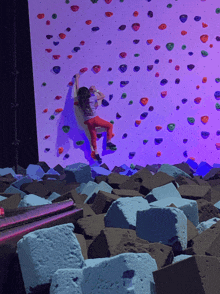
[[98, 122]]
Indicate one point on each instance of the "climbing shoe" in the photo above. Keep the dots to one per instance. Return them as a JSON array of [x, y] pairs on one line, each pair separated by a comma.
[[111, 146], [96, 157]]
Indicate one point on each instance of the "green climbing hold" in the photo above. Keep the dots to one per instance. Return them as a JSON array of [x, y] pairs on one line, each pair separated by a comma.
[[79, 143], [217, 10], [130, 102], [132, 166], [170, 46], [124, 95], [204, 53], [217, 106], [52, 117], [94, 1], [54, 16], [111, 121], [171, 127], [184, 47], [217, 80], [121, 0], [169, 5], [110, 83], [145, 141], [191, 120], [66, 129], [136, 55], [44, 84], [67, 1]]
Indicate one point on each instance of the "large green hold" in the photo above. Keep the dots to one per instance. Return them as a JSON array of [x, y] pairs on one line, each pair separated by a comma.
[[191, 119], [204, 53], [94, 1], [79, 143], [170, 46], [66, 129], [217, 106], [171, 127]]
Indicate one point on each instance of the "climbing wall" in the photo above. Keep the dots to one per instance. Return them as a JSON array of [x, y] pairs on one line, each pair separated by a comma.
[[157, 62]]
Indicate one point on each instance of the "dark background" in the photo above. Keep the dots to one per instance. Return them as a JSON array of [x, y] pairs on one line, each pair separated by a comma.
[[26, 114]]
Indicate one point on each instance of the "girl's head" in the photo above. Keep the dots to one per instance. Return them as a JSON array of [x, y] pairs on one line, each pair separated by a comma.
[[84, 93]]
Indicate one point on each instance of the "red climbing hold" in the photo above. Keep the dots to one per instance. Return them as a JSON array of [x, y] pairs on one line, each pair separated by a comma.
[[84, 69], [144, 101], [170, 60], [205, 119], [108, 1], [69, 56], [40, 15], [74, 8], [198, 100], [157, 74], [136, 26], [58, 110], [163, 26], [177, 67], [204, 25], [48, 50], [45, 110], [58, 97], [138, 122], [47, 22], [204, 38], [164, 94], [82, 43], [88, 22], [96, 68], [150, 41], [204, 80], [157, 47], [60, 150], [46, 137], [183, 33], [158, 128], [56, 56], [123, 54], [62, 36], [108, 14], [135, 13]]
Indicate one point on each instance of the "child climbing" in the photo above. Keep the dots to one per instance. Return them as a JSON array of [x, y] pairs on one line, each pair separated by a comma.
[[88, 102]]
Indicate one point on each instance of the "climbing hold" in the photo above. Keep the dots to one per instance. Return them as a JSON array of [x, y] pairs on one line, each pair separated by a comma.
[[132, 154], [56, 69], [205, 135], [136, 55], [124, 83], [136, 26], [62, 36], [84, 69], [144, 101], [138, 122], [52, 117], [151, 108], [190, 67], [217, 10], [47, 149], [190, 53], [82, 43], [110, 82], [183, 33], [150, 13], [105, 103], [217, 106], [135, 13], [88, 22], [123, 54], [158, 140], [48, 50], [124, 136], [197, 87], [122, 27], [184, 47], [204, 38], [171, 127], [124, 95], [185, 141], [217, 95], [108, 1], [156, 61], [96, 68], [217, 80], [69, 56], [170, 46], [47, 22], [197, 100], [157, 74], [94, 1], [66, 129], [177, 67], [164, 82], [150, 67], [56, 43], [109, 42], [76, 49], [56, 56], [110, 97], [118, 115], [170, 60], [150, 41], [54, 16], [136, 68], [157, 47], [132, 166], [205, 119], [197, 18], [58, 110], [158, 128], [184, 100], [218, 38], [74, 8], [177, 81], [183, 18], [60, 150], [204, 25], [49, 37], [40, 15], [163, 94], [123, 67], [163, 26], [144, 114], [94, 29], [108, 14], [169, 5], [145, 141], [136, 41], [44, 84], [45, 110], [68, 29], [191, 120], [204, 53], [204, 80]]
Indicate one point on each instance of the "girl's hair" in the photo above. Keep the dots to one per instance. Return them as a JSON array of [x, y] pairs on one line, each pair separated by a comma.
[[84, 95]]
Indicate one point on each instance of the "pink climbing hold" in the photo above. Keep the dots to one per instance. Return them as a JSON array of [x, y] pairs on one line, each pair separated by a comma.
[[108, 1], [82, 43], [164, 94], [74, 8], [56, 56], [157, 47], [123, 54], [96, 68], [48, 50], [136, 26]]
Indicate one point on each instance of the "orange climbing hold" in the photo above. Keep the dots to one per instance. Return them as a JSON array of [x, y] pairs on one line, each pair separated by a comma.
[[84, 69], [204, 38], [58, 110], [163, 26], [135, 13], [48, 50], [108, 14], [40, 15], [211, 45], [183, 33], [60, 150], [150, 41], [62, 36], [158, 128], [204, 80], [138, 122], [88, 22], [205, 119], [164, 94], [204, 25], [159, 153], [144, 101]]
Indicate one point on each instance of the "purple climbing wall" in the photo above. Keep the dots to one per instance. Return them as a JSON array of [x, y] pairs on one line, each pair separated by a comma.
[[159, 71]]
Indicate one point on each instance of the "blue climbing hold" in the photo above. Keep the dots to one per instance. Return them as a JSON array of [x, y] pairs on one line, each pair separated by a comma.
[[56, 43], [190, 53], [124, 83], [205, 135], [197, 18], [105, 103], [125, 136], [158, 140], [136, 68], [109, 42], [185, 141], [123, 67], [144, 114], [110, 97], [164, 82], [183, 18], [76, 49], [184, 101], [190, 66], [94, 29], [177, 81], [217, 94], [156, 61], [150, 67], [56, 69]]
